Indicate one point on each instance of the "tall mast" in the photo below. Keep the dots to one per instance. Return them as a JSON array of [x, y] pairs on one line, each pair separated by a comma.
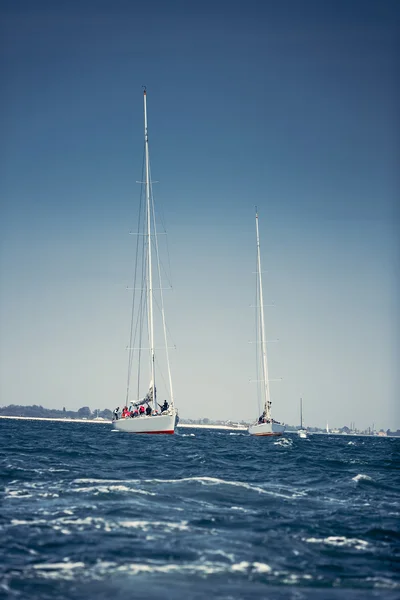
[[267, 400], [149, 260], [301, 413]]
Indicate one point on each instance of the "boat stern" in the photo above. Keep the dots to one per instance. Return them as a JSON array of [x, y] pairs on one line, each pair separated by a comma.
[[266, 429], [154, 424]]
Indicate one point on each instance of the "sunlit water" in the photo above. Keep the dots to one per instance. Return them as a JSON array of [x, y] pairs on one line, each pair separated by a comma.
[[91, 513]]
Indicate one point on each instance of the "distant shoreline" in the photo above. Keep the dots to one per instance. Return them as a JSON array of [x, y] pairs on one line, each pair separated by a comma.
[[106, 422]]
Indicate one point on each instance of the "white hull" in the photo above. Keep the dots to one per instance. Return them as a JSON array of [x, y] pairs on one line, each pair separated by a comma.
[[302, 433], [153, 424], [266, 429]]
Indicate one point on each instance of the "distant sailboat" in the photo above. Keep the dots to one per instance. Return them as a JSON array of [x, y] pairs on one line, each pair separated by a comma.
[[266, 425], [301, 432], [142, 415], [327, 427]]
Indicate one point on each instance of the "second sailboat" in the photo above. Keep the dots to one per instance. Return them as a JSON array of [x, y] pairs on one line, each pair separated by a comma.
[[266, 425]]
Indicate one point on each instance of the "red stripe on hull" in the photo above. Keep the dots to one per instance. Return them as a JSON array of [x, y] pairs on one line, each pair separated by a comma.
[[152, 432]]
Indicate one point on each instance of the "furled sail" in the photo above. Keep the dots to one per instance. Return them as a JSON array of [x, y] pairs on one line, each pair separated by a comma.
[[148, 397]]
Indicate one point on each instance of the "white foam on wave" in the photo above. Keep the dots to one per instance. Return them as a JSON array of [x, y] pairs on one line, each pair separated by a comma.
[[17, 494], [69, 570], [255, 567], [384, 582], [66, 524], [222, 553], [53, 470], [241, 567], [92, 480], [340, 542], [361, 477], [107, 489], [146, 525], [118, 485], [216, 481], [204, 568], [241, 509], [261, 568], [62, 530], [293, 578], [283, 442], [60, 566], [187, 435], [48, 495], [19, 522], [97, 522]]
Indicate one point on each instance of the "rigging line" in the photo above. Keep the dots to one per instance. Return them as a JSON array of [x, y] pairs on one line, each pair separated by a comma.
[[160, 208], [169, 279], [168, 274], [167, 328], [143, 310], [139, 323], [130, 355], [162, 306], [160, 373], [258, 357], [139, 319]]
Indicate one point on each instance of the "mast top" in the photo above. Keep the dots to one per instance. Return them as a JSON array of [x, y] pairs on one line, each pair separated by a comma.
[[144, 90]]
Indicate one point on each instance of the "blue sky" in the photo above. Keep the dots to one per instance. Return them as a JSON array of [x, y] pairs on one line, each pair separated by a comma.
[[291, 106]]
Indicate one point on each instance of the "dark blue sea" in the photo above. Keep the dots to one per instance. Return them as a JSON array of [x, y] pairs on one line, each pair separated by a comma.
[[91, 513]]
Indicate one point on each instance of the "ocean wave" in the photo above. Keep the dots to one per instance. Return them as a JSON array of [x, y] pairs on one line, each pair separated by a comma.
[[285, 442], [61, 565], [361, 477], [217, 514], [215, 481], [339, 542], [109, 489], [62, 570]]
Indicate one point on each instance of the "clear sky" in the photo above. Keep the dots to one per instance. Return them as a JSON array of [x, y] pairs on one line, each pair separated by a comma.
[[289, 105]]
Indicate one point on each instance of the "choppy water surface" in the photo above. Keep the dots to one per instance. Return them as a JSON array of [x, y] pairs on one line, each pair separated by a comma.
[[91, 513]]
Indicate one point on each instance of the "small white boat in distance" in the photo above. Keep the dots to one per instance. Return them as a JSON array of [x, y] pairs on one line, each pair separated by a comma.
[[146, 415], [266, 425]]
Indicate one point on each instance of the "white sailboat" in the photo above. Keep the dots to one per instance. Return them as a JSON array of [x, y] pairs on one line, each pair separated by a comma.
[[145, 414], [302, 433], [266, 425]]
